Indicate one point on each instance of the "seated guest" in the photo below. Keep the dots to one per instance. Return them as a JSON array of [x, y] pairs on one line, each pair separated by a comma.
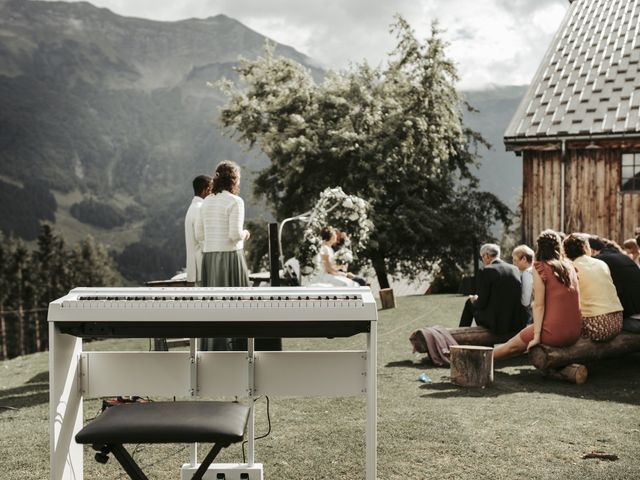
[[556, 310], [497, 305], [522, 257], [343, 255], [631, 248], [326, 269], [626, 278], [599, 304]]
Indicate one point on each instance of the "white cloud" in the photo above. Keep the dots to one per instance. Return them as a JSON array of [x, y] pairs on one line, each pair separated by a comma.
[[492, 41]]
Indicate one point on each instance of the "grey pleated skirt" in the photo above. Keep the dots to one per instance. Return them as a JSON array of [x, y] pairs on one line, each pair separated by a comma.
[[224, 269]]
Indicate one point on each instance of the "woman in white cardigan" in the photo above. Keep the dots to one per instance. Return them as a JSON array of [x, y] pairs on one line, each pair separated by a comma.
[[221, 228]]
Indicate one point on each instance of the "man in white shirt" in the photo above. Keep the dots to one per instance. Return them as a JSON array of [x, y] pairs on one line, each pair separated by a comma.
[[201, 188], [522, 257]]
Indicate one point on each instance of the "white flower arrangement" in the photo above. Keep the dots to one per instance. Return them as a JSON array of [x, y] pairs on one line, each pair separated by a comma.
[[348, 213], [343, 256]]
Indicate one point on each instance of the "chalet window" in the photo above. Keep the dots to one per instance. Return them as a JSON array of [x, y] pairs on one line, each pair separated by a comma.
[[630, 172]]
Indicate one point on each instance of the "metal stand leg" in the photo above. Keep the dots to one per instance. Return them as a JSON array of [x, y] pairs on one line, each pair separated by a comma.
[[372, 407], [65, 405], [213, 453], [193, 387], [250, 422], [129, 465]]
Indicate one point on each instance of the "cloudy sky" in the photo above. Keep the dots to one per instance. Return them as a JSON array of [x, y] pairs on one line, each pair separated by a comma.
[[492, 41]]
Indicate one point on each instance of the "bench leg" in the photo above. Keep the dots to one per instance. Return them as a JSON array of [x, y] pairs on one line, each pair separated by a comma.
[[202, 469], [134, 471], [128, 463]]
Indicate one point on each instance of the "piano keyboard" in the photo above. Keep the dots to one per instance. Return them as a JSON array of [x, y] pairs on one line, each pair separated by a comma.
[[118, 312]]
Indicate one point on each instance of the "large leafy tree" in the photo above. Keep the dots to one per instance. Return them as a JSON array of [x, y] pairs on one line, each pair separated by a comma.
[[392, 135]]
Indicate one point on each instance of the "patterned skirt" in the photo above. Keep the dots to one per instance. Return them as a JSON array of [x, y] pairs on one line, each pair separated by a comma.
[[602, 328]]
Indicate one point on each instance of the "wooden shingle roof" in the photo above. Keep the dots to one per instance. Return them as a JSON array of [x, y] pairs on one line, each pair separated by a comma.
[[589, 81]]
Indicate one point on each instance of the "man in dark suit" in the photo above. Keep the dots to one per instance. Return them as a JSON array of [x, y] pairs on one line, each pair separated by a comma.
[[497, 305], [626, 278]]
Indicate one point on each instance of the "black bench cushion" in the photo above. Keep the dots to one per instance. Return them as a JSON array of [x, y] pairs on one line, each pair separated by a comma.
[[167, 422]]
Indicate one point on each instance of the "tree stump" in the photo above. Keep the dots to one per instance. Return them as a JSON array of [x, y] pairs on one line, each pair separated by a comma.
[[471, 365], [386, 298]]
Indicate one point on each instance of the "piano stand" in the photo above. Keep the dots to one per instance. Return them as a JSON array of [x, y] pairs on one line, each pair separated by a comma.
[[222, 423], [253, 313]]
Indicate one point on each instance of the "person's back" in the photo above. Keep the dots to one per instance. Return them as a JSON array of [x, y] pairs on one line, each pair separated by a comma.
[[522, 257], [201, 188], [597, 292], [222, 217], [499, 305], [562, 321], [626, 278]]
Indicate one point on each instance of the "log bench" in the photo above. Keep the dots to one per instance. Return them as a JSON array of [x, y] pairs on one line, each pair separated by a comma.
[[220, 423], [564, 363]]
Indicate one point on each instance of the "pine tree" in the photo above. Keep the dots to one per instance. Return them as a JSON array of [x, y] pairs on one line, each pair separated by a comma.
[[17, 273], [50, 278], [91, 265], [4, 295]]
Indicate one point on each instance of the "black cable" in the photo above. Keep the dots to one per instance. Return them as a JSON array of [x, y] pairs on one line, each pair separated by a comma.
[[261, 436], [135, 450], [165, 458]]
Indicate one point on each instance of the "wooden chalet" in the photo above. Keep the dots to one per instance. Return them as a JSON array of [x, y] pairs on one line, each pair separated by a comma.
[[577, 128]]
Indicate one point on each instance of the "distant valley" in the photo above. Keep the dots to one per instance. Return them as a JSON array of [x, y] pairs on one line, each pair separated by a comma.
[[104, 121]]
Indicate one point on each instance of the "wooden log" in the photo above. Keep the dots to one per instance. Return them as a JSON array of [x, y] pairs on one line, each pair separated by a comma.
[[574, 373], [478, 336], [584, 350], [386, 298], [471, 365]]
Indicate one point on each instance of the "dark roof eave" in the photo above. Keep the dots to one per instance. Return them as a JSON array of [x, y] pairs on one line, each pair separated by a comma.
[[520, 143]]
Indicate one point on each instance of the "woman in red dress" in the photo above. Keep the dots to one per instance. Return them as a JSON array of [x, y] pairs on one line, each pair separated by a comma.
[[556, 310]]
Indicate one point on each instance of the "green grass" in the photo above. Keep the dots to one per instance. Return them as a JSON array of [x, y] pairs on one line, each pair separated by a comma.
[[524, 426]]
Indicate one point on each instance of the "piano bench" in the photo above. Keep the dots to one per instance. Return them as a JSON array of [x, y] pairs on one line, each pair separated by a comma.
[[221, 423]]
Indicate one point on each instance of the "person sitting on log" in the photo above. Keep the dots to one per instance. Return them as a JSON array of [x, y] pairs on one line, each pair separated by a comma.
[[630, 246], [497, 305], [599, 304], [522, 257], [626, 278], [556, 311]]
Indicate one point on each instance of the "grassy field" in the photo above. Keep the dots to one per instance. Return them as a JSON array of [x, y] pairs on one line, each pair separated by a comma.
[[524, 426]]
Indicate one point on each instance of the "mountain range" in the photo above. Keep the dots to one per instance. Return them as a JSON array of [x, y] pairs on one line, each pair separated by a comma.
[[105, 120]]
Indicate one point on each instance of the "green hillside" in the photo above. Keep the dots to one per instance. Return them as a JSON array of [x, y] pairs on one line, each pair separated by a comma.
[[112, 118], [104, 121], [500, 172]]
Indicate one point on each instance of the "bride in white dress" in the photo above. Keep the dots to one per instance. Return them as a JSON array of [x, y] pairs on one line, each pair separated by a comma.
[[326, 270]]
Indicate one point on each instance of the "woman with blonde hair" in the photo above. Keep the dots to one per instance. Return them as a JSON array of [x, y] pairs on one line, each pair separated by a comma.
[[556, 312], [599, 304]]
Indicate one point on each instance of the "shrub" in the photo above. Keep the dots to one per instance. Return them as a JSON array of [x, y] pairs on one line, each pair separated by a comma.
[[99, 214]]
